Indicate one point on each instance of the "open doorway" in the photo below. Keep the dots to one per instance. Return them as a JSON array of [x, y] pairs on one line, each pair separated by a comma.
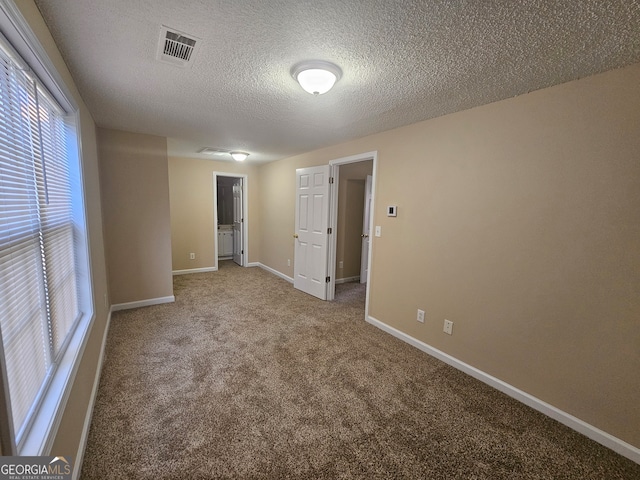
[[352, 225], [230, 217], [316, 226], [351, 214]]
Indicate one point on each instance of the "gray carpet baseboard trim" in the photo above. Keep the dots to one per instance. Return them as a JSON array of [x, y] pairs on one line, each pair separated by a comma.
[[142, 303], [77, 468], [194, 270], [275, 272], [603, 438], [347, 280]]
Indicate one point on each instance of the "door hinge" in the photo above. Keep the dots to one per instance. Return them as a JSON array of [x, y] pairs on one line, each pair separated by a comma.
[[329, 230], [330, 179], [241, 252], [328, 279]]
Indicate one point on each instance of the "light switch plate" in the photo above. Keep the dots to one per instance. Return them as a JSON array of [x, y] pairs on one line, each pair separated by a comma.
[[378, 230]]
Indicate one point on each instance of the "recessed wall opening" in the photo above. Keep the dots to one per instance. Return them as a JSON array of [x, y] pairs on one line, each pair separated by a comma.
[[356, 167], [352, 231], [230, 218]]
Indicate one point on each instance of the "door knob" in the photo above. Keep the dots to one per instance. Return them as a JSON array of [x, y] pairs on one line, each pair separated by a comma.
[[364, 235], [295, 235]]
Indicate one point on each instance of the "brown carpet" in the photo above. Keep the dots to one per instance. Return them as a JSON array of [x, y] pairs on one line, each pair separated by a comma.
[[245, 377]]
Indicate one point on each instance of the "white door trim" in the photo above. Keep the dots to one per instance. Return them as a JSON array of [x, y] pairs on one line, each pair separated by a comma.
[[333, 218], [245, 214], [366, 229], [238, 248]]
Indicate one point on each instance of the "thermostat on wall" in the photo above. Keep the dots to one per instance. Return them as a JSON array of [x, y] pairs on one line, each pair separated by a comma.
[[392, 211]]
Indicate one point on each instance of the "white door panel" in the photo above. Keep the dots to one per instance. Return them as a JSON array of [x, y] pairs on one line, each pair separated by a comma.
[[318, 213], [311, 225], [366, 230], [302, 215], [238, 243]]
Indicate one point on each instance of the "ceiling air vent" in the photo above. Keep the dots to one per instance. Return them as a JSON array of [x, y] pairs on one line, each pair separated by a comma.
[[176, 47], [214, 151]]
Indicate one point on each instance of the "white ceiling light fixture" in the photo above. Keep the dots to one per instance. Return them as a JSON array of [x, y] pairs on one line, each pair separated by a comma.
[[316, 76], [239, 156]]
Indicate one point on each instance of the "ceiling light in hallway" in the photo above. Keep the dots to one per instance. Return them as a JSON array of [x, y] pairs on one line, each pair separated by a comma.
[[316, 76], [239, 156]]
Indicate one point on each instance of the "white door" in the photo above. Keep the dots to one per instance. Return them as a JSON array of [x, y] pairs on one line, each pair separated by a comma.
[[238, 244], [366, 231], [311, 231]]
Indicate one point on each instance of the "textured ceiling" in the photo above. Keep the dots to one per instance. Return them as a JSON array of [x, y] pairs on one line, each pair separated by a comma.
[[402, 60]]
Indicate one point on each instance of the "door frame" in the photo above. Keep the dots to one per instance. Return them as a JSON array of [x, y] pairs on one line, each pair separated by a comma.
[[245, 215], [333, 218], [368, 202]]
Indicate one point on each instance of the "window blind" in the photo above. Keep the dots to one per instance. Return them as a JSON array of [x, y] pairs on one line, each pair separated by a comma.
[[38, 267]]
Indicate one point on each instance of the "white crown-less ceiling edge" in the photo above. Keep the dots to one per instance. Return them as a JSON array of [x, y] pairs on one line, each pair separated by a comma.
[[401, 62]]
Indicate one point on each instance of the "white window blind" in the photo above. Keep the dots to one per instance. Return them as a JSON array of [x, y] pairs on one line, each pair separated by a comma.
[[38, 259]]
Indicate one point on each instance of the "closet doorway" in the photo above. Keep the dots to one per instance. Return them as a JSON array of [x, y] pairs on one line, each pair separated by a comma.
[[230, 217], [354, 182]]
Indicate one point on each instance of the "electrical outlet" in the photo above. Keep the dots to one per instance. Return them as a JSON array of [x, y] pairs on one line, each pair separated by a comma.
[[448, 327], [192, 256], [420, 317], [340, 264], [288, 262]]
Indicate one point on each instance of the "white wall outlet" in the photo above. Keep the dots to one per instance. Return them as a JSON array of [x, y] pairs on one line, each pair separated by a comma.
[[288, 262], [192, 256], [340, 264], [448, 327], [420, 317], [378, 230]]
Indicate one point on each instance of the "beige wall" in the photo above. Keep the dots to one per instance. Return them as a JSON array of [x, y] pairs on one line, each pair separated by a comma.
[[519, 222], [276, 211], [69, 433], [351, 185], [134, 177], [191, 187], [349, 228]]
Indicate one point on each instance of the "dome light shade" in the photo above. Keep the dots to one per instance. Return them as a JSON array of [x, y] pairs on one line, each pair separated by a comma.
[[316, 77], [239, 156]]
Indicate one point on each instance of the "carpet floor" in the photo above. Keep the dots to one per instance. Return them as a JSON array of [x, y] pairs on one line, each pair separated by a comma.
[[244, 377]]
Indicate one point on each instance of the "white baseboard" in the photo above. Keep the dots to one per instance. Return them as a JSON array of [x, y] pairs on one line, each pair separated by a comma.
[[253, 264], [142, 303], [347, 280], [88, 416], [275, 272], [619, 446], [194, 270]]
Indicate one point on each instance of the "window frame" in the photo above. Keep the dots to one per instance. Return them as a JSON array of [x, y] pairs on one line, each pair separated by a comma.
[[39, 438]]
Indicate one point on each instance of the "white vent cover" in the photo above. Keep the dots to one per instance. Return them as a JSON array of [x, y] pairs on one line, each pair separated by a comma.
[[214, 151], [176, 47]]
